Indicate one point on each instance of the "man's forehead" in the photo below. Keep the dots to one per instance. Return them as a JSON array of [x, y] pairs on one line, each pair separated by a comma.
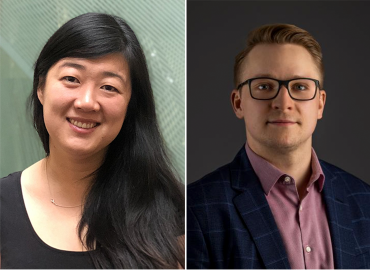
[[283, 61], [276, 52]]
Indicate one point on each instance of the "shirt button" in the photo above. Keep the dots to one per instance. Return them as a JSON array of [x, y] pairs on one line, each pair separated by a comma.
[[308, 249], [287, 180], [300, 208]]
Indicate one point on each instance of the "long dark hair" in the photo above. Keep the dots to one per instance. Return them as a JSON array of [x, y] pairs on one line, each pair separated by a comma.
[[134, 208]]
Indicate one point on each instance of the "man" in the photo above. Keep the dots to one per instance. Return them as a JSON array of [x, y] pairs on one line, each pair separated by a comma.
[[276, 205]]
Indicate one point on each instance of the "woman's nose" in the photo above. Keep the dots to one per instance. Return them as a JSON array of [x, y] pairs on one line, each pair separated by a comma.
[[86, 99]]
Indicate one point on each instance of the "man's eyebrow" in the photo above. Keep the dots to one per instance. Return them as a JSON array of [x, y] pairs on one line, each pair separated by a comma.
[[81, 67], [271, 76], [263, 75]]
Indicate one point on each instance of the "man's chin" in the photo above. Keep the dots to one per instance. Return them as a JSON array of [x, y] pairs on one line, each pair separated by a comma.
[[285, 145]]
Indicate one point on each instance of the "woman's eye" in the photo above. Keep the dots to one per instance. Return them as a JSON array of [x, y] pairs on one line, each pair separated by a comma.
[[70, 79], [109, 88]]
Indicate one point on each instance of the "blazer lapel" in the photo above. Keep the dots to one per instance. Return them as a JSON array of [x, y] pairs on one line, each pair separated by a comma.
[[340, 223], [256, 214]]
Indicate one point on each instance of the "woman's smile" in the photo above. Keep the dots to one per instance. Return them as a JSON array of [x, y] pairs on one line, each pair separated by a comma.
[[82, 126], [82, 123]]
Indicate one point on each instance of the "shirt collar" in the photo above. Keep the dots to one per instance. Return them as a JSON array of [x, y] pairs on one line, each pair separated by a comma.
[[269, 174]]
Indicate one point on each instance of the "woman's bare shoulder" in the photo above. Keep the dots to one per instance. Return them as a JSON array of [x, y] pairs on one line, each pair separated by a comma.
[[35, 167], [32, 171]]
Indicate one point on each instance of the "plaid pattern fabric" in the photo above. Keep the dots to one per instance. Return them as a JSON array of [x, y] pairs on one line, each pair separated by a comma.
[[230, 224]]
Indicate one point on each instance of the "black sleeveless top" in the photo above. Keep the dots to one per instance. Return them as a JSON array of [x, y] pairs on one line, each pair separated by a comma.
[[20, 246]]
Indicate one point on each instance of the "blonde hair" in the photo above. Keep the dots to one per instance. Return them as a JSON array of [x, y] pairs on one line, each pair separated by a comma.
[[280, 34]]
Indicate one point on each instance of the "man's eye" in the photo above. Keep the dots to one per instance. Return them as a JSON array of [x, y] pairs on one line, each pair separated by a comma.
[[264, 87], [70, 79], [109, 88], [299, 87]]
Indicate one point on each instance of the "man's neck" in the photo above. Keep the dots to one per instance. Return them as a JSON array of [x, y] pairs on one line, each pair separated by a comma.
[[295, 162]]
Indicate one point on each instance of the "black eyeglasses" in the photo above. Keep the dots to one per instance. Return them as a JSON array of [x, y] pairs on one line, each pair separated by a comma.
[[265, 88]]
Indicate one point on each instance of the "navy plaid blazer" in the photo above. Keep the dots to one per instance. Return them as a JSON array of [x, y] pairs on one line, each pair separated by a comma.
[[230, 224]]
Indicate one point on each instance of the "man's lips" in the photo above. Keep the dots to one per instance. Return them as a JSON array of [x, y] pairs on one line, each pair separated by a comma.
[[281, 122]]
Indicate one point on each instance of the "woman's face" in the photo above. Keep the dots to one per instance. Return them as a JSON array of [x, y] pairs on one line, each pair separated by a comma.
[[85, 103]]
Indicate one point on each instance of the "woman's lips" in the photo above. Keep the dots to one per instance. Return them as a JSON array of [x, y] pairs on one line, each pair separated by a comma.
[[82, 126]]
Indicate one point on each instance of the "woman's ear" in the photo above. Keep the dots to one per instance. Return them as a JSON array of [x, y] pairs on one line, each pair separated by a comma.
[[40, 95]]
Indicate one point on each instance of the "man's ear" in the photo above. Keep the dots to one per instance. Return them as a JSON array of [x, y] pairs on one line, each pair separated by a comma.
[[322, 100], [40, 95], [236, 103]]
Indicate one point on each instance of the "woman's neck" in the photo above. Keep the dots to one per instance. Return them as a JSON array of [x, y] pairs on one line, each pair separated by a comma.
[[69, 177]]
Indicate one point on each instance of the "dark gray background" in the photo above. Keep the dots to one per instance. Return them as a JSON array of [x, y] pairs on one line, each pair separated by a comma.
[[217, 31]]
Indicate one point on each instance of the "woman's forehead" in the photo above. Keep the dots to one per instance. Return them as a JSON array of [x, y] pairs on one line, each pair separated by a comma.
[[113, 65]]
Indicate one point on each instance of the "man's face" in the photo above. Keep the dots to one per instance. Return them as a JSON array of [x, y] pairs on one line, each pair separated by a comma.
[[282, 123]]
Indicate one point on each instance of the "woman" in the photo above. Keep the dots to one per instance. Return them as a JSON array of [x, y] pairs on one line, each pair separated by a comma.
[[104, 196]]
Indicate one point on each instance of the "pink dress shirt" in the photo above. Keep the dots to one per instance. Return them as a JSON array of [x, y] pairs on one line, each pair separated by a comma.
[[303, 225]]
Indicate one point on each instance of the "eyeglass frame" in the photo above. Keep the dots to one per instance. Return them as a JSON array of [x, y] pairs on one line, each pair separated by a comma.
[[281, 82]]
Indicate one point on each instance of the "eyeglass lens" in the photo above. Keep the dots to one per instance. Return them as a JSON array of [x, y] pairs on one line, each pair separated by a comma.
[[267, 88]]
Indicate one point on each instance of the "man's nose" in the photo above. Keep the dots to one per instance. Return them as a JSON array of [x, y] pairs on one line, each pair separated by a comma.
[[283, 101], [86, 99]]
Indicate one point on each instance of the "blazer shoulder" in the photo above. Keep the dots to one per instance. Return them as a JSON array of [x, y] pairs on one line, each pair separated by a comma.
[[352, 183], [214, 183], [214, 176]]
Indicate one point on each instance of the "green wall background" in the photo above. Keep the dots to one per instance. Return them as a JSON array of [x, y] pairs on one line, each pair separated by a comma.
[[26, 25]]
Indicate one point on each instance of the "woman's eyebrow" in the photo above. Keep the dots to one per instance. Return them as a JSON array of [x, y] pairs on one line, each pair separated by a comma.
[[73, 65], [81, 67], [112, 74]]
